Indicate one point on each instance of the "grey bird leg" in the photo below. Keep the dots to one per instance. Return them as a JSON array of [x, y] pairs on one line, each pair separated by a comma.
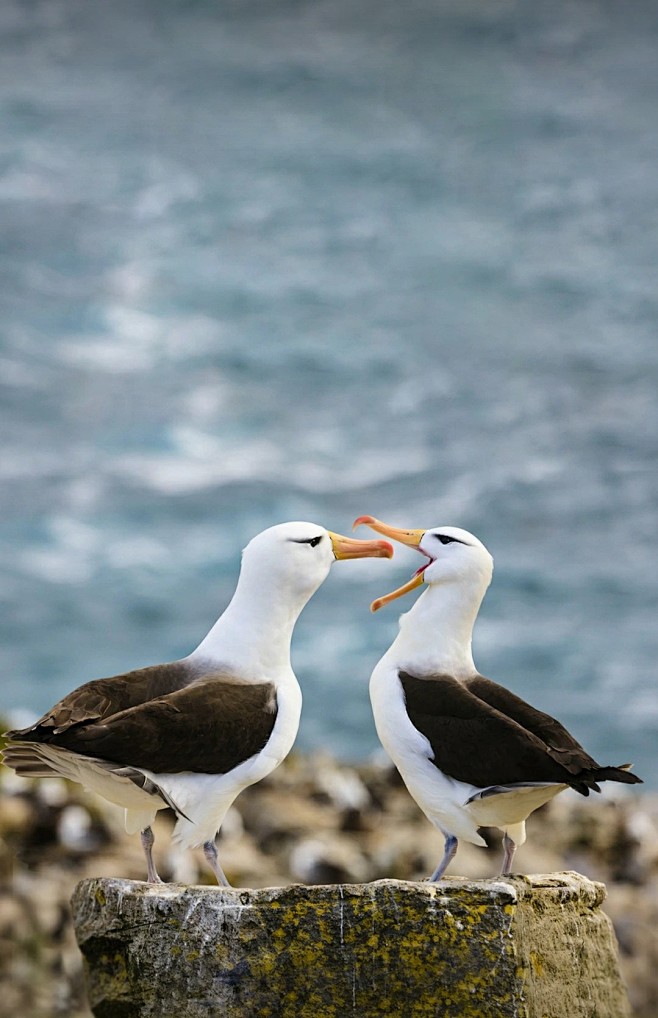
[[448, 855], [210, 852], [510, 849], [147, 844]]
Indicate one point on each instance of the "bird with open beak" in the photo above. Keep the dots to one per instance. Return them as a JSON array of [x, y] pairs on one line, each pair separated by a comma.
[[471, 753]]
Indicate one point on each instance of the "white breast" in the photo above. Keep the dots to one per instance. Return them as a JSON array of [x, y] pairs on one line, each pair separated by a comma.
[[441, 798], [206, 798]]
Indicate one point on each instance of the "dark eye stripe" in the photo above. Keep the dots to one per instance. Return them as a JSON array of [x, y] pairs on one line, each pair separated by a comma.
[[313, 541], [447, 539]]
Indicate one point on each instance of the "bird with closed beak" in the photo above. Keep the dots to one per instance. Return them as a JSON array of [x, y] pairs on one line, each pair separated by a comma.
[[192, 734]]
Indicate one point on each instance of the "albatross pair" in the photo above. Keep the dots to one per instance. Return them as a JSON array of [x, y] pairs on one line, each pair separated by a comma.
[[471, 753], [192, 734]]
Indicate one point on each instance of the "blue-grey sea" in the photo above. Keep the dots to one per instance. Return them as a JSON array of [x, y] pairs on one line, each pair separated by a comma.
[[264, 260]]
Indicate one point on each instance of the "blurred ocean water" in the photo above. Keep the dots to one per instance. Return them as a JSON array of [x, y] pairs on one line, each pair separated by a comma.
[[308, 260]]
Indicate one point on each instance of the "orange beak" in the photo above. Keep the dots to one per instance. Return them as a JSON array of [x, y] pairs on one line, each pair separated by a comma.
[[412, 538], [349, 547]]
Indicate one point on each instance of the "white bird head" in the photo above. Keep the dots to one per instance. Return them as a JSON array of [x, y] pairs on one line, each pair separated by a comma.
[[296, 557], [282, 567], [454, 556]]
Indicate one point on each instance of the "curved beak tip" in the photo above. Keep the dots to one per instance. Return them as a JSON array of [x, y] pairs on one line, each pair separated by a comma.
[[412, 538], [409, 537], [380, 549], [349, 547]]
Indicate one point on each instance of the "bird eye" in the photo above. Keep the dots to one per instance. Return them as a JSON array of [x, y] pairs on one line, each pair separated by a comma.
[[313, 541], [445, 539]]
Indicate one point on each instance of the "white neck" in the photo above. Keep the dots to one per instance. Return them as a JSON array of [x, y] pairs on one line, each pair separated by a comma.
[[252, 637], [435, 635]]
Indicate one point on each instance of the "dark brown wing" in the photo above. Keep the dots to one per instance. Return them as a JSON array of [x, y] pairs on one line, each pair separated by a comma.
[[209, 727], [166, 718], [475, 742], [559, 742], [102, 698]]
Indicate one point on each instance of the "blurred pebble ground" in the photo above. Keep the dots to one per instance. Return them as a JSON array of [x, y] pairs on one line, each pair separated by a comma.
[[314, 820]]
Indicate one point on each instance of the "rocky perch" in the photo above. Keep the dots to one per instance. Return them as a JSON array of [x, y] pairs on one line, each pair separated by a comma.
[[517, 947]]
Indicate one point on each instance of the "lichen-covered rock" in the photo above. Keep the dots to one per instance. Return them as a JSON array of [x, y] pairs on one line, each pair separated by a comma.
[[519, 947]]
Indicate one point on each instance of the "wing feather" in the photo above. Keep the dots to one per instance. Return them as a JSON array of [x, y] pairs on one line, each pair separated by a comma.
[[482, 734], [102, 698], [209, 728]]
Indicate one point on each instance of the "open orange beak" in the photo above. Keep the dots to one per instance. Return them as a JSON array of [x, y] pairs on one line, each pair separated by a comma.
[[412, 538], [349, 547]]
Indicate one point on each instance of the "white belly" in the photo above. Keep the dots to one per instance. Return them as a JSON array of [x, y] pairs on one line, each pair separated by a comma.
[[512, 807]]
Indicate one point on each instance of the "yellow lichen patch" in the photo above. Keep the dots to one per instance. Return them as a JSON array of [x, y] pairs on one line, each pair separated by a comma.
[[112, 974], [537, 963]]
